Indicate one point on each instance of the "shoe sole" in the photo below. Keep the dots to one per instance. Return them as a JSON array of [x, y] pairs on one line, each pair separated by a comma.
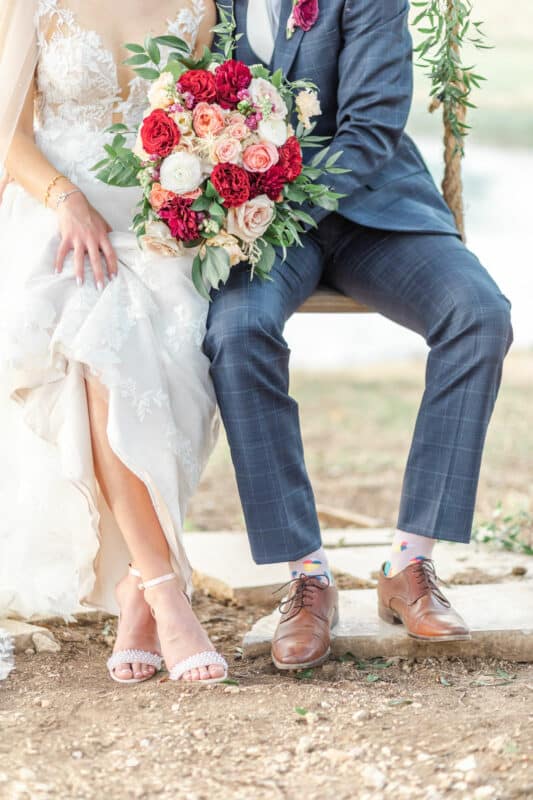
[[391, 619], [304, 665]]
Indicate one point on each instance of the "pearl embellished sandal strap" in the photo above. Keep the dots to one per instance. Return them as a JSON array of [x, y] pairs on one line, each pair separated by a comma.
[[206, 659], [156, 581], [132, 656]]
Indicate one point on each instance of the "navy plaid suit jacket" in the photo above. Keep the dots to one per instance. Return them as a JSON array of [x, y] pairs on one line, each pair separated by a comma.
[[359, 54]]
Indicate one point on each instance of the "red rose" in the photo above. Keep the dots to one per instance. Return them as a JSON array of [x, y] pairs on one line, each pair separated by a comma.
[[201, 84], [305, 14], [290, 158], [159, 134], [232, 183], [231, 78], [181, 219], [270, 183]]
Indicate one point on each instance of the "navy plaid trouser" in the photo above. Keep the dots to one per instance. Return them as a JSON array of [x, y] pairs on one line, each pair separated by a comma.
[[429, 283]]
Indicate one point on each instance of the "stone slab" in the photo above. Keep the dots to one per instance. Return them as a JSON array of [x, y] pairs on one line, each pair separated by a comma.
[[28, 636], [224, 567], [499, 616]]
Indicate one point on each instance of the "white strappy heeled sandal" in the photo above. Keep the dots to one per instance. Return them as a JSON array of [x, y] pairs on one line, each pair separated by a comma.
[[206, 658], [131, 656]]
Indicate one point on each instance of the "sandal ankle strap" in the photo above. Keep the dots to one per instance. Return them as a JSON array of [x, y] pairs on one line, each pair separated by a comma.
[[156, 581]]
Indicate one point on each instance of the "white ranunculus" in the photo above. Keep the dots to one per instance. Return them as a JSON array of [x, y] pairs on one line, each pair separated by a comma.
[[273, 130], [181, 173], [261, 91]]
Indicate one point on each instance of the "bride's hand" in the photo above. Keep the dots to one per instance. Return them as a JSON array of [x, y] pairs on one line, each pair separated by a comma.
[[85, 231]]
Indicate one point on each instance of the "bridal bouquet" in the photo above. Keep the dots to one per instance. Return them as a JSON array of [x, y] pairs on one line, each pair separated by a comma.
[[218, 159]]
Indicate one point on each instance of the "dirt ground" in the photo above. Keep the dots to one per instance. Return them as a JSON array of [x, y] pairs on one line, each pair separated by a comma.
[[347, 730]]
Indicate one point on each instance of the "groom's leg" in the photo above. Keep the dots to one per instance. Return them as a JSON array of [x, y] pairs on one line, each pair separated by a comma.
[[250, 370], [435, 286]]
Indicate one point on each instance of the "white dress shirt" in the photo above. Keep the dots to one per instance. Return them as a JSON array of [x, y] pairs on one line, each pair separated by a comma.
[[262, 25]]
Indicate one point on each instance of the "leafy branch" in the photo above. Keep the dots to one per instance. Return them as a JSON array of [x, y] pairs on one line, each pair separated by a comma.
[[447, 26]]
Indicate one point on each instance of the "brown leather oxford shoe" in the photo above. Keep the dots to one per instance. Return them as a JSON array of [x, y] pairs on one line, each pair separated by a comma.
[[413, 597], [303, 635]]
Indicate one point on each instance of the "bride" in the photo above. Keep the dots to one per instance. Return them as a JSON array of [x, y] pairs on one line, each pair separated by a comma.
[[100, 346]]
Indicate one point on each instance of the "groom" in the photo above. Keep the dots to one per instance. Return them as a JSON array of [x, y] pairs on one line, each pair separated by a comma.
[[392, 245]]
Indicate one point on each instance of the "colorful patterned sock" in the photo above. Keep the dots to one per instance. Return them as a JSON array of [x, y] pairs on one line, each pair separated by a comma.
[[313, 564], [406, 548]]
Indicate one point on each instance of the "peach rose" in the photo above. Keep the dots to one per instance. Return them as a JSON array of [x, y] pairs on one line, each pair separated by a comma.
[[227, 151], [251, 220], [207, 119], [161, 94], [159, 241], [238, 130], [260, 157], [230, 245], [194, 195], [159, 196]]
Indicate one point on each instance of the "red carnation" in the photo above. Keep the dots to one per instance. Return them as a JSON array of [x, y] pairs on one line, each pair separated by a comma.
[[181, 219], [290, 158], [270, 183], [305, 14], [159, 134], [201, 84], [232, 183], [231, 78]]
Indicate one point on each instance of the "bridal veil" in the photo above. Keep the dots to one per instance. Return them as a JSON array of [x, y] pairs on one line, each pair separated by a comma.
[[18, 56]]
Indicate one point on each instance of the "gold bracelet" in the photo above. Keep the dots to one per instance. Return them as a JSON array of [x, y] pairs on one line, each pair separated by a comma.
[[51, 186]]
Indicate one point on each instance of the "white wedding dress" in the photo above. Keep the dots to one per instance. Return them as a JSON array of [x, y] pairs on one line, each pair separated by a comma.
[[142, 336]]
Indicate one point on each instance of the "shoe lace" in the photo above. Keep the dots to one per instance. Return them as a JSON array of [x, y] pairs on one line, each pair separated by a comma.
[[303, 594], [428, 580]]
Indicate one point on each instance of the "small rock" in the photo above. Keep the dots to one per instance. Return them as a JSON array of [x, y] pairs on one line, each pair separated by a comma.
[[336, 756], [466, 764], [3, 777], [304, 745], [175, 707], [232, 690], [45, 702], [483, 791], [424, 757], [145, 742], [497, 743], [26, 774], [132, 762], [373, 778], [519, 570], [77, 754], [29, 651], [361, 715], [200, 733], [310, 718], [252, 751], [45, 644]]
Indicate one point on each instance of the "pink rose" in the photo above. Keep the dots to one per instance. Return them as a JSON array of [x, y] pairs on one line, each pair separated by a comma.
[[227, 151], [207, 119], [305, 14], [250, 220], [260, 157]]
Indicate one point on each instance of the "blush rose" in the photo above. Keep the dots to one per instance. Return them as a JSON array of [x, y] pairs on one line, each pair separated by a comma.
[[252, 219], [260, 157]]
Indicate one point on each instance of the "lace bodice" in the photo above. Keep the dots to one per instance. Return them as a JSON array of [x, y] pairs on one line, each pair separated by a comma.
[[77, 77]]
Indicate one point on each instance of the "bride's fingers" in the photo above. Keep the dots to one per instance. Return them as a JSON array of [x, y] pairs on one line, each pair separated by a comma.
[[62, 252], [110, 257], [95, 258], [79, 259]]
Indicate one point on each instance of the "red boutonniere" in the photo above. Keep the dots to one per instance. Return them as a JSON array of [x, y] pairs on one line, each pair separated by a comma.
[[304, 15]]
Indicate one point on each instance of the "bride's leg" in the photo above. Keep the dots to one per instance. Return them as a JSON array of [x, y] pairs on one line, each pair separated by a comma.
[[129, 500]]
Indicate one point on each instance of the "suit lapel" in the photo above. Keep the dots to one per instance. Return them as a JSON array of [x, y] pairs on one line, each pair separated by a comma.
[[285, 49]]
